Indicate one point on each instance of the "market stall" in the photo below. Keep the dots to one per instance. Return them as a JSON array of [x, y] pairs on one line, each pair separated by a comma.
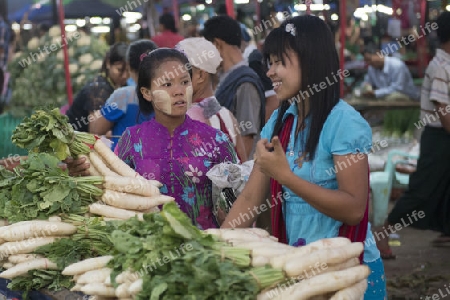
[[114, 234]]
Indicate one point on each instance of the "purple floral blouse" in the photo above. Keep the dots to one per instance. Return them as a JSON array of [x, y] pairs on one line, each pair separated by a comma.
[[180, 162]]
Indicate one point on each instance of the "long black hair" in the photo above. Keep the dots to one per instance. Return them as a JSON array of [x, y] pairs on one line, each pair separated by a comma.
[[313, 42], [148, 67]]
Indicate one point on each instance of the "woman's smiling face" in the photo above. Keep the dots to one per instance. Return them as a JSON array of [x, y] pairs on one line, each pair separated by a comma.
[[286, 78]]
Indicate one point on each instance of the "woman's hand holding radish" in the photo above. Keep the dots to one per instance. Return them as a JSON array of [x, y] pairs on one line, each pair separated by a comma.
[[77, 167], [272, 163]]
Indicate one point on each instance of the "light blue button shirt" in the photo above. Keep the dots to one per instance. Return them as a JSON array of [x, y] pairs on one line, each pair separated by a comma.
[[394, 77], [344, 132]]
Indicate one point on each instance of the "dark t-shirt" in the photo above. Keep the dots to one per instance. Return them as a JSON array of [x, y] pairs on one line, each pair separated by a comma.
[[91, 97]]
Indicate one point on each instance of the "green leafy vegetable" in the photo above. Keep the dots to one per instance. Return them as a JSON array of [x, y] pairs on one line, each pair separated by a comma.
[[49, 131], [39, 188]]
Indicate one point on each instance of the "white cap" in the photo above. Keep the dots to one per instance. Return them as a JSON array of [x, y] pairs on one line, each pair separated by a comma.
[[201, 53]]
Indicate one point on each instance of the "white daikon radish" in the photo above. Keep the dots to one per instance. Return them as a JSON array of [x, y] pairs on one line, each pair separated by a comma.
[[136, 287], [127, 276], [354, 292], [108, 281], [329, 256], [122, 291], [133, 202], [278, 262], [20, 258], [113, 212], [76, 288], [92, 170], [269, 251], [129, 185], [29, 229], [253, 245], [113, 219], [259, 232], [87, 265], [113, 161], [100, 165], [353, 262], [25, 246], [8, 265], [23, 268], [98, 289], [75, 277], [55, 219], [260, 261], [242, 235], [94, 276], [325, 283]]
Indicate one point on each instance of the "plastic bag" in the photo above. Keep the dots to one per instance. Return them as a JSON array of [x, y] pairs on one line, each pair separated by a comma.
[[228, 181]]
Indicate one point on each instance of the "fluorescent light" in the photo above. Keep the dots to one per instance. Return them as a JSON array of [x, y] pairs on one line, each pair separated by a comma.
[[384, 9], [241, 1], [447, 7], [81, 22], [208, 1], [106, 21], [201, 7], [71, 28], [334, 17], [15, 26], [96, 20], [280, 16], [295, 14], [100, 29], [131, 14], [314, 7], [27, 26], [186, 17]]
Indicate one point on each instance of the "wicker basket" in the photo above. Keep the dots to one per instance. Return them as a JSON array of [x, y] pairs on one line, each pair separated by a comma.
[[7, 125]]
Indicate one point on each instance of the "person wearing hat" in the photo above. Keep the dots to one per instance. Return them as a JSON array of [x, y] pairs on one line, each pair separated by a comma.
[[205, 60]]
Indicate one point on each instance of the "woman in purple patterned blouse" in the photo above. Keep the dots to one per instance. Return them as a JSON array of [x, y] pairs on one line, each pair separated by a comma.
[[173, 148]]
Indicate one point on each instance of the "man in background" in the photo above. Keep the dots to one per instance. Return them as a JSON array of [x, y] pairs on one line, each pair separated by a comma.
[[168, 36], [388, 78]]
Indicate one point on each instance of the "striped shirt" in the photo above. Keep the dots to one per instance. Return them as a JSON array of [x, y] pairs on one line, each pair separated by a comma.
[[435, 88]]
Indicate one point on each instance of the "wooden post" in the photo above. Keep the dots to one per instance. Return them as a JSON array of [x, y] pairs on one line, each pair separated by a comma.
[[65, 51], [176, 13], [230, 8]]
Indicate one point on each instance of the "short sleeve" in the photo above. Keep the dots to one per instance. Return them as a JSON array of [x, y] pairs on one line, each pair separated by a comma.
[[248, 104], [440, 87], [347, 132], [267, 131], [116, 105], [124, 148]]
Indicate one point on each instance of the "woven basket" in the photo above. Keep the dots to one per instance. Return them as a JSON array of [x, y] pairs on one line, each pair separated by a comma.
[[7, 125]]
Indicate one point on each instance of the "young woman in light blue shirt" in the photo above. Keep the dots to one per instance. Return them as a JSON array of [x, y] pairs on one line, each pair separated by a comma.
[[313, 150]]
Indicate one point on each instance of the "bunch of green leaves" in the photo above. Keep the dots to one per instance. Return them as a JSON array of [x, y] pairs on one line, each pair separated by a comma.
[[39, 279], [166, 249], [401, 122], [49, 131], [40, 188]]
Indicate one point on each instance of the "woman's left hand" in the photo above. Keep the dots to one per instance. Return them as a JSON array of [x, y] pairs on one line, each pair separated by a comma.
[[272, 163]]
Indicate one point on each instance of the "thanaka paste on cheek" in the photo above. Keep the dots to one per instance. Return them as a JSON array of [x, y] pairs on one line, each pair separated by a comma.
[[162, 101], [189, 93]]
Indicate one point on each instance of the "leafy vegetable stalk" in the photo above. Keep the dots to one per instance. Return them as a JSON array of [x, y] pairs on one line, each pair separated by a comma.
[[49, 131], [39, 188]]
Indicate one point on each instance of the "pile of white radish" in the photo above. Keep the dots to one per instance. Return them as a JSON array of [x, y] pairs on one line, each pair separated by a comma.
[[126, 194], [92, 277], [325, 269], [19, 240]]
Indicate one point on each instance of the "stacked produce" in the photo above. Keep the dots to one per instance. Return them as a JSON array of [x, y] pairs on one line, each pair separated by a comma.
[[37, 73], [328, 268], [125, 193]]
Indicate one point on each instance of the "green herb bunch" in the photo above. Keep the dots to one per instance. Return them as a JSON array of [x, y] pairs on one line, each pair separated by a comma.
[[38, 188], [178, 261], [49, 131]]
